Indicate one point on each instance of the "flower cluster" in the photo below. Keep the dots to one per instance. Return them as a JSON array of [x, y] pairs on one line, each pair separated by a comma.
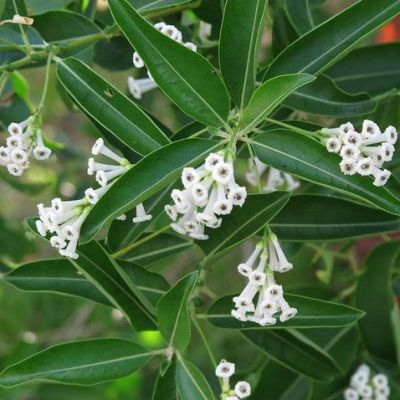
[[137, 87], [241, 390], [63, 219], [261, 282], [362, 153], [275, 179], [210, 192], [365, 385], [25, 140]]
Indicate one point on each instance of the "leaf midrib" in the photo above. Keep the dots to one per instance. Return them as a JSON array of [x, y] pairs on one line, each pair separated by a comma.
[[192, 379], [160, 251]]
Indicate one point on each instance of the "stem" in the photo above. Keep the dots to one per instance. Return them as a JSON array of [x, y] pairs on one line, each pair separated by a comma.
[[205, 341], [46, 83], [133, 245], [293, 128], [25, 38]]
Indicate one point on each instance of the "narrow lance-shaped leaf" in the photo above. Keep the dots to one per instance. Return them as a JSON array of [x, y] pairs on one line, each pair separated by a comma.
[[146, 6], [302, 156], [187, 78], [158, 248], [329, 314], [110, 108], [191, 382], [295, 351], [380, 327], [55, 275], [239, 44], [320, 48], [299, 13], [84, 362], [372, 69], [173, 313], [314, 218], [268, 96], [142, 181], [165, 387], [323, 97], [242, 223]]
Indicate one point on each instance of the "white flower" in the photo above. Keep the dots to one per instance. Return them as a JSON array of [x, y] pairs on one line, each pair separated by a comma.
[[222, 206], [137, 60], [223, 173], [171, 212], [353, 138], [365, 391], [94, 195], [380, 176], [278, 261], [333, 145], [380, 380], [190, 177], [237, 195], [225, 369], [242, 389], [138, 87], [350, 151], [348, 166], [212, 161], [141, 215], [391, 134], [15, 169], [41, 152], [350, 394], [365, 166], [369, 129], [100, 148], [104, 177], [18, 156]]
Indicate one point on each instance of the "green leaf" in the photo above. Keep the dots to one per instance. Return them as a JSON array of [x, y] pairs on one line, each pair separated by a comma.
[[157, 249], [279, 383], [323, 46], [299, 13], [152, 285], [239, 47], [54, 275], [110, 108], [113, 282], [268, 96], [293, 350], [191, 382], [146, 178], [165, 387], [283, 33], [242, 223], [323, 97], [379, 328], [123, 233], [121, 50], [187, 78], [173, 313], [306, 158], [312, 313], [21, 85], [309, 217], [373, 69], [85, 362], [146, 6], [37, 7]]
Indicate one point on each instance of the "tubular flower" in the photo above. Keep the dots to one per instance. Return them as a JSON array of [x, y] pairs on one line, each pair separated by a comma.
[[365, 385], [362, 153], [210, 191], [224, 372], [137, 87], [261, 284], [25, 140], [274, 179]]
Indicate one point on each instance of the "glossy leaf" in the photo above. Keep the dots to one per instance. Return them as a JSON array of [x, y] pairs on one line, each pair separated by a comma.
[[191, 382], [268, 96], [319, 48], [312, 313], [238, 48], [146, 6], [299, 13], [173, 313], [379, 329], [146, 178], [309, 217], [84, 362], [242, 223], [110, 108], [323, 97], [304, 157], [55, 275], [113, 282], [157, 249], [36, 7], [186, 77], [295, 351], [283, 34], [165, 387], [372, 69]]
